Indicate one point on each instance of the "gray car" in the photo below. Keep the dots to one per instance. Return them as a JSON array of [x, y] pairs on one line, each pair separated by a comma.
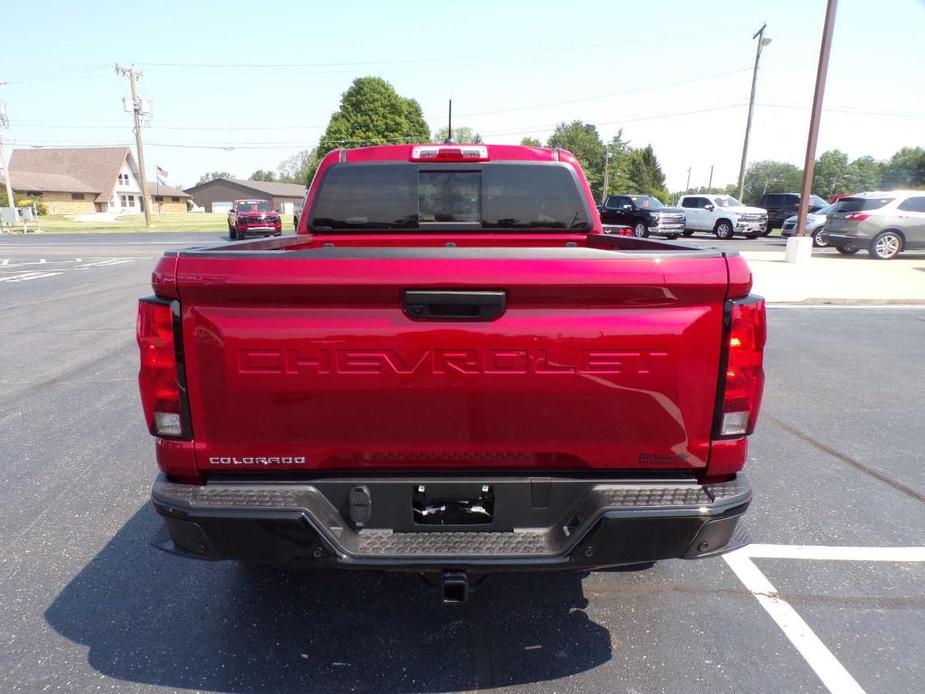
[[883, 223], [815, 225]]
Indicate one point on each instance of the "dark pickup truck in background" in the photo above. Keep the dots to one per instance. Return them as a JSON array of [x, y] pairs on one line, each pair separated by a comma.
[[644, 214], [451, 370]]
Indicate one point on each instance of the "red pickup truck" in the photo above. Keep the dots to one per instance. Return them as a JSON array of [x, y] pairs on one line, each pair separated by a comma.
[[451, 370]]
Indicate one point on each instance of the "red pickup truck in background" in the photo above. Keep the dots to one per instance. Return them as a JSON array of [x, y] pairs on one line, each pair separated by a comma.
[[248, 217], [451, 370]]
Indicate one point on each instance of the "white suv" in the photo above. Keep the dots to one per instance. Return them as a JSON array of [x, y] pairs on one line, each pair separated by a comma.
[[723, 215]]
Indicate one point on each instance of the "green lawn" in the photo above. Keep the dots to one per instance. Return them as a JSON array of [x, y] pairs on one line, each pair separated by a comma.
[[66, 224]]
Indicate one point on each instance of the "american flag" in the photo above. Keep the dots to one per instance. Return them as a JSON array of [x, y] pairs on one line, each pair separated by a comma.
[[161, 174]]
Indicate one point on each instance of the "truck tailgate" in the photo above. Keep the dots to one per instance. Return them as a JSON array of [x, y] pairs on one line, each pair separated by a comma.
[[308, 360]]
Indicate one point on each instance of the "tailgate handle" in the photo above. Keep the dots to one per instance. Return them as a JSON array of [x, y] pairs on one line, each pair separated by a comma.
[[453, 305]]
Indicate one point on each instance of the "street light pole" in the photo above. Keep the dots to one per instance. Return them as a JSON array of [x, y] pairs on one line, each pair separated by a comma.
[[762, 42], [809, 165]]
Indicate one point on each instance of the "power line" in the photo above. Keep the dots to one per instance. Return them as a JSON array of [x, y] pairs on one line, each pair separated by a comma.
[[610, 95]]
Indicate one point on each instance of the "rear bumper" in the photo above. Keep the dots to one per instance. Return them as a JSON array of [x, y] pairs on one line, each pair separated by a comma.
[[537, 523]]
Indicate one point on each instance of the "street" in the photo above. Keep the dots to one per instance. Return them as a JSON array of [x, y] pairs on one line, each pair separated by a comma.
[[87, 602]]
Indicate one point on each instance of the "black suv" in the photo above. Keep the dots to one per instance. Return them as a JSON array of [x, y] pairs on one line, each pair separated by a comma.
[[644, 214], [783, 205]]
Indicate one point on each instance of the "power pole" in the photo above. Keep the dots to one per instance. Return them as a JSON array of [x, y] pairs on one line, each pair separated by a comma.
[[449, 125], [822, 70], [607, 155], [4, 124], [710, 184], [762, 42], [133, 75], [687, 188]]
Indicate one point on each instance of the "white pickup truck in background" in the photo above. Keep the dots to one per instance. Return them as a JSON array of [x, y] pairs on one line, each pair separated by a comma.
[[723, 215]]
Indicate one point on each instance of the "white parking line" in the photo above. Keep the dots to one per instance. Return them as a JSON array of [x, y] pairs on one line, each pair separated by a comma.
[[835, 553], [826, 666], [26, 276]]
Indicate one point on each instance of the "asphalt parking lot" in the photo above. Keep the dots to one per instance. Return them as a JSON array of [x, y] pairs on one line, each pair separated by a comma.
[[87, 603]]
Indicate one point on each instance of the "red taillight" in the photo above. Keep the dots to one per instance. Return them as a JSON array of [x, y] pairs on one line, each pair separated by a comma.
[[857, 217], [158, 378], [744, 377]]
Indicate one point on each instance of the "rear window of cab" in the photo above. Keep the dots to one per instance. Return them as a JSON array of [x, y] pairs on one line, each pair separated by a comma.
[[422, 197]]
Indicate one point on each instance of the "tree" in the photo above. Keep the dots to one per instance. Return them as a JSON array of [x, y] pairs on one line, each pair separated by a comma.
[[618, 164], [905, 169], [830, 175], [461, 136], [372, 113], [262, 175], [645, 173], [212, 175], [531, 142], [864, 173], [771, 177], [299, 168], [583, 140]]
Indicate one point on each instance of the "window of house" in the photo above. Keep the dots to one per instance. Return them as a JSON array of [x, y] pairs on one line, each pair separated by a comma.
[[124, 200], [123, 179], [175, 199], [158, 198], [77, 196], [34, 194], [131, 201]]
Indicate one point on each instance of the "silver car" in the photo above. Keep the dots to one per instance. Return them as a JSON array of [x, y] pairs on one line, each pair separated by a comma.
[[815, 225], [884, 223]]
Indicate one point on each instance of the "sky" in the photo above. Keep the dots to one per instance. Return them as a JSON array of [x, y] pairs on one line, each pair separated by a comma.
[[243, 86]]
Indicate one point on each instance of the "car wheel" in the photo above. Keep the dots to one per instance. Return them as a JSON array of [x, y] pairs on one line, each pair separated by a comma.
[[886, 245], [232, 233], [688, 232], [847, 249], [819, 239], [723, 230], [671, 237], [640, 231]]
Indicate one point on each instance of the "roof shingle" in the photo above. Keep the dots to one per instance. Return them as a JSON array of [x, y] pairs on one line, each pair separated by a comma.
[[95, 168]]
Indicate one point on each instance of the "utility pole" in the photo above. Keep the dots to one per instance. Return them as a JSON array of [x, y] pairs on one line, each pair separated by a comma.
[[133, 75], [762, 42], [449, 125], [4, 124], [607, 155], [822, 70], [710, 184], [687, 188]]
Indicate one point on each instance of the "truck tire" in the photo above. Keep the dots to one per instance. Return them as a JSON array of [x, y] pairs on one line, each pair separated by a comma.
[[886, 245], [671, 237], [847, 249], [640, 231], [723, 229], [688, 232], [751, 236]]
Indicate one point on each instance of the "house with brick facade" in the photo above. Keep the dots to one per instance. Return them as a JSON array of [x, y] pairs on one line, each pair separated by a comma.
[[81, 180]]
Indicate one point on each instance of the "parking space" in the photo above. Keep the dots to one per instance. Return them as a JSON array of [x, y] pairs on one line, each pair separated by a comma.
[[86, 601]]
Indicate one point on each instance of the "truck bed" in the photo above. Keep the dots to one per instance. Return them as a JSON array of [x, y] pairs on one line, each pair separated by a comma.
[[306, 354]]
